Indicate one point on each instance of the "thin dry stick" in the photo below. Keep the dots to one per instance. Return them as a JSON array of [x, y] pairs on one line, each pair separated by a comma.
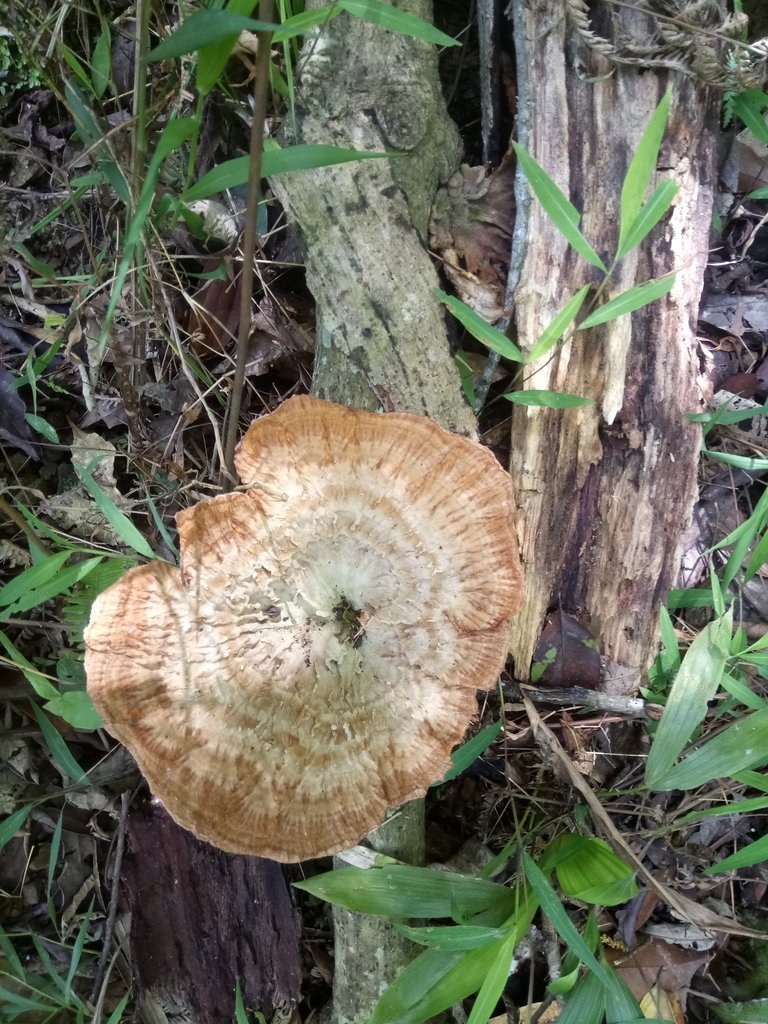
[[113, 898], [260, 92], [683, 907]]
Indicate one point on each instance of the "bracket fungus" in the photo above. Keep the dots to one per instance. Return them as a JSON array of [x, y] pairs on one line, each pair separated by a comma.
[[317, 656]]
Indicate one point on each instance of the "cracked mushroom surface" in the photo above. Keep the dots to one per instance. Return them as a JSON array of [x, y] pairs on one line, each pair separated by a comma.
[[317, 656]]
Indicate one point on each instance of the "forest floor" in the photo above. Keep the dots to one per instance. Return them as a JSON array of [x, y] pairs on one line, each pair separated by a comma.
[[104, 443]]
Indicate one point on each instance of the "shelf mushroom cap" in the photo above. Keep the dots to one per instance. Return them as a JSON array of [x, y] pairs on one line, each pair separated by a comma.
[[316, 657]]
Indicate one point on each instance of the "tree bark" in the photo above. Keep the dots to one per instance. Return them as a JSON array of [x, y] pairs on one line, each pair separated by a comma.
[[605, 491], [381, 335]]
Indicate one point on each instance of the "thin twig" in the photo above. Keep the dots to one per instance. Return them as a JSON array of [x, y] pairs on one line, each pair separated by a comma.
[[260, 93], [9, 512], [114, 896]]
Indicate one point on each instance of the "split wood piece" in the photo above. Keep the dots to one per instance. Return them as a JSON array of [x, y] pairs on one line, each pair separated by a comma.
[[316, 658]]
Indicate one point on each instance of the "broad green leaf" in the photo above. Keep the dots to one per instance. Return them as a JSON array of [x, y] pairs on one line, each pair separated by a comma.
[[10, 826], [204, 28], [547, 399], [585, 1003], [552, 334], [394, 20], [35, 576], [649, 216], [42, 426], [76, 65], [621, 1007], [469, 752], [59, 749], [461, 937], [300, 24], [116, 518], [669, 639], [695, 684], [742, 746], [561, 211], [746, 857], [588, 870], [566, 929], [233, 173], [641, 170], [696, 597], [401, 891], [60, 584], [480, 329], [101, 61], [629, 301], [76, 708], [37, 680], [437, 979]]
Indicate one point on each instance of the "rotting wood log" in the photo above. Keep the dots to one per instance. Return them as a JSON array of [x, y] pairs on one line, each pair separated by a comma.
[[605, 492], [202, 921]]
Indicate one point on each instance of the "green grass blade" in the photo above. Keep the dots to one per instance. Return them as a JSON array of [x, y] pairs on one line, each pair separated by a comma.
[[561, 211], [547, 399], [738, 461], [42, 686], [552, 334], [746, 857], [116, 518], [101, 61], [77, 951], [585, 1003], [53, 588], [117, 1014], [53, 857], [11, 825], [641, 169], [494, 981], [469, 752], [695, 685], [740, 747], [59, 750], [35, 576], [481, 329], [555, 911], [641, 295], [394, 20], [648, 217]]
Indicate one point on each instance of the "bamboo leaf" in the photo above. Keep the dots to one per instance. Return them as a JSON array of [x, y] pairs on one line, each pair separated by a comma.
[[461, 937], [10, 826], [232, 173], [547, 399], [629, 301], [746, 857], [469, 752], [59, 750], [116, 518], [552, 334], [35, 576], [561, 211], [60, 584], [401, 891], [300, 24], [648, 217], [738, 461], [641, 170], [742, 746], [101, 62], [566, 929], [37, 680], [695, 685], [394, 20], [588, 870], [204, 28], [480, 329], [494, 982]]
